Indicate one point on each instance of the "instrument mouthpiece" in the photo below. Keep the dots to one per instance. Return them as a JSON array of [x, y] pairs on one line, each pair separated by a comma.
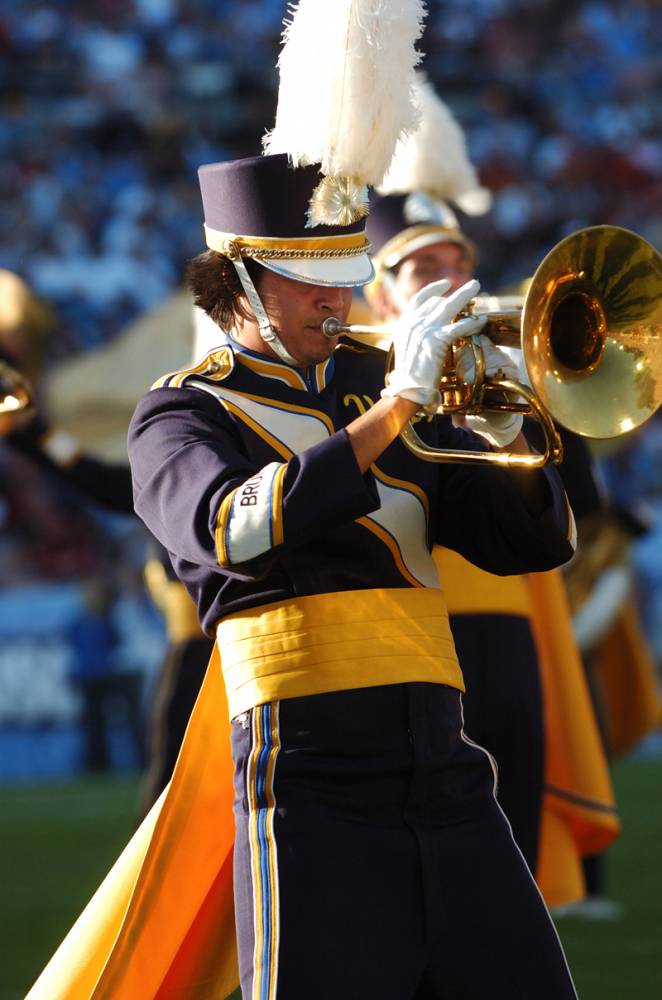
[[332, 327]]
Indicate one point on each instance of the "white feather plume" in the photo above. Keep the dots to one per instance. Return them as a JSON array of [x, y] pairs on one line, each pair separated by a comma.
[[346, 84], [434, 158]]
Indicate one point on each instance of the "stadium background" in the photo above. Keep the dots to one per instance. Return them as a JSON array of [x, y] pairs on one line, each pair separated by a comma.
[[107, 110]]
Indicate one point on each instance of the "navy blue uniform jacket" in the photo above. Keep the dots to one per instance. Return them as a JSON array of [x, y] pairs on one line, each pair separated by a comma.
[[243, 470]]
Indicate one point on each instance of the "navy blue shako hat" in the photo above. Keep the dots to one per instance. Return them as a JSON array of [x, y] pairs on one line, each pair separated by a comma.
[[259, 207]]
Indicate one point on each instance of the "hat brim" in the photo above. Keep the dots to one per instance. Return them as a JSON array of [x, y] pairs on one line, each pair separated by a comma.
[[347, 272], [426, 240]]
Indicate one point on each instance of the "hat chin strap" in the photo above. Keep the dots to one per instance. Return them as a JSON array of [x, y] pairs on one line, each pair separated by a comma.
[[267, 332]]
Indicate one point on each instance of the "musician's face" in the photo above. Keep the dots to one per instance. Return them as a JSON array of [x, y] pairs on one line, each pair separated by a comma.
[[296, 311], [431, 263]]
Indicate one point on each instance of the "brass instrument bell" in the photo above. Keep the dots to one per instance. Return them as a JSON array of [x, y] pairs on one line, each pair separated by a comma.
[[592, 331]]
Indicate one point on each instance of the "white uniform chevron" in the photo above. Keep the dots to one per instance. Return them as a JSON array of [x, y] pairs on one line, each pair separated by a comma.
[[401, 513], [294, 429]]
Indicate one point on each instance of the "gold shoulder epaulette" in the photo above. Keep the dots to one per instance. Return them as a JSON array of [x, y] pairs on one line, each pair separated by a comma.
[[214, 367]]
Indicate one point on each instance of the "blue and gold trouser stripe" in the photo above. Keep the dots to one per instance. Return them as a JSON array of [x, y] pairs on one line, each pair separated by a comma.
[[264, 860]]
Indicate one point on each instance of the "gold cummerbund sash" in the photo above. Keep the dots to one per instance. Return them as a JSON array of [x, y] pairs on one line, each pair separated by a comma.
[[336, 642], [473, 591]]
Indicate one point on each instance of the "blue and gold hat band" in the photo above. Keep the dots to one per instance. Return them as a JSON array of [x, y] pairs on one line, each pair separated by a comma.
[[259, 208], [266, 248]]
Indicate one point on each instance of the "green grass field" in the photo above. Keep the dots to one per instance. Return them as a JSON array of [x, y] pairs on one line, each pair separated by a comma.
[[58, 842]]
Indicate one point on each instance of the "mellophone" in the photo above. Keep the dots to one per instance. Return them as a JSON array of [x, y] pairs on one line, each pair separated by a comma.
[[590, 333]]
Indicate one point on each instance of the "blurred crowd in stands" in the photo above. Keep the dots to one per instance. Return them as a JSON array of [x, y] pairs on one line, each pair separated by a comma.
[[108, 109]]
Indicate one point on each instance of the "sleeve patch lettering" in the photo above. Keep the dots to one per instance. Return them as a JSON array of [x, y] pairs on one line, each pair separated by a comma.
[[254, 524]]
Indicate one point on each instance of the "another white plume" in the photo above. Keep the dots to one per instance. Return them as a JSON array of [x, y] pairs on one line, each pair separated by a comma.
[[434, 159], [346, 84]]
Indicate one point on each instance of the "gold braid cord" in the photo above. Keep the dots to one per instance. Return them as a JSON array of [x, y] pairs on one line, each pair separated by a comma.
[[234, 250]]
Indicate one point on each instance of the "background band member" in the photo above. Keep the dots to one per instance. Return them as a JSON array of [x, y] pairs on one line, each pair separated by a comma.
[[416, 239]]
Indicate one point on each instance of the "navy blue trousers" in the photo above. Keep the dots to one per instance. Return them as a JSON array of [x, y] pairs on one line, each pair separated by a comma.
[[503, 711], [372, 859]]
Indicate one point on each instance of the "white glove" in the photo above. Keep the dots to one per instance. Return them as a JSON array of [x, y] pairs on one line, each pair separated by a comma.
[[422, 336], [500, 429]]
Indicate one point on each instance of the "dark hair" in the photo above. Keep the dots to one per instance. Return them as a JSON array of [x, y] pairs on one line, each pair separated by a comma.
[[215, 285]]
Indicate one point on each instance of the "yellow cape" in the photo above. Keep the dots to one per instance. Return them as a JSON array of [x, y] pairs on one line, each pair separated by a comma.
[[579, 812], [626, 678], [161, 925]]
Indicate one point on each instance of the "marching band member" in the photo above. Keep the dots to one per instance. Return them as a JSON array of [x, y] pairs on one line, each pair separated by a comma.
[[370, 856], [301, 532], [505, 657]]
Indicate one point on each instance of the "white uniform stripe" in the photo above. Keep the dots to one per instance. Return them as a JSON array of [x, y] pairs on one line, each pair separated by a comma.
[[572, 533], [402, 514], [493, 765], [296, 430]]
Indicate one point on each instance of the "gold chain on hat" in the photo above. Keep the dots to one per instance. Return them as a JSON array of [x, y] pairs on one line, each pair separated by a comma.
[[232, 251]]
